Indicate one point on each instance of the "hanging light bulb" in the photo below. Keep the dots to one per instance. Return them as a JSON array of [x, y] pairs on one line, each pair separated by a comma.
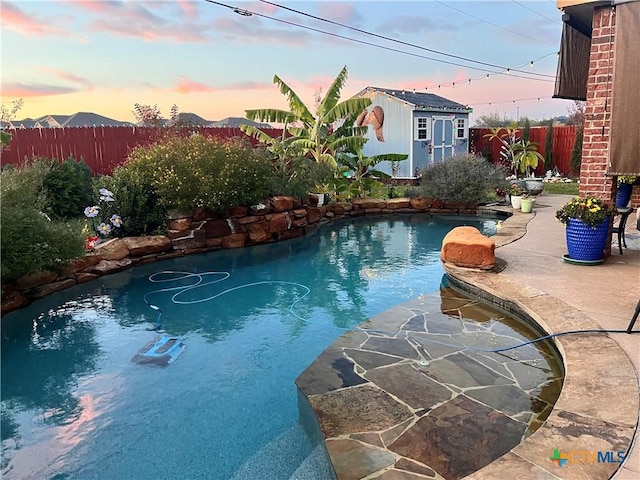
[[508, 71], [531, 63]]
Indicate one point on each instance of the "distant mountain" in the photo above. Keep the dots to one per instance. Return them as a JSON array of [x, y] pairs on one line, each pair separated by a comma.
[[235, 122]]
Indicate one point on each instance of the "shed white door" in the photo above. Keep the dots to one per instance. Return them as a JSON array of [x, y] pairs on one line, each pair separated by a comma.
[[443, 138]]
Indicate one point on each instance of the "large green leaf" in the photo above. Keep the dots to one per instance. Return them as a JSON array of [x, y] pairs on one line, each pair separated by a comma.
[[271, 115], [332, 96], [297, 106]]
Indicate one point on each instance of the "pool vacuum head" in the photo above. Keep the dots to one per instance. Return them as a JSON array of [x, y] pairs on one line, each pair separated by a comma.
[[161, 351]]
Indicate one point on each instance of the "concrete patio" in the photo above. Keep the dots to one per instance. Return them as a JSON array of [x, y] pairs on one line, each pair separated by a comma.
[[598, 407], [607, 293]]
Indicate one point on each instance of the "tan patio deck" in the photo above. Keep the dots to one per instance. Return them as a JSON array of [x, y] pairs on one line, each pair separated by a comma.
[[599, 405]]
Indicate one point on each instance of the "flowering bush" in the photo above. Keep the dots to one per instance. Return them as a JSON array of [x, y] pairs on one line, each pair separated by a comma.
[[629, 179], [101, 218], [591, 211]]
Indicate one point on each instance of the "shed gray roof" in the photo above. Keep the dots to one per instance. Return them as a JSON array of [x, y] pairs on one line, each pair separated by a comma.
[[421, 101]]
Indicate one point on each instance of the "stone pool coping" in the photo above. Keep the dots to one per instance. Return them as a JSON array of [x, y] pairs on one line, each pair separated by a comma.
[[598, 406]]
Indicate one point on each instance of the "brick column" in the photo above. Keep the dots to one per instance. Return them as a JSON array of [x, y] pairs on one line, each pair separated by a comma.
[[597, 123]]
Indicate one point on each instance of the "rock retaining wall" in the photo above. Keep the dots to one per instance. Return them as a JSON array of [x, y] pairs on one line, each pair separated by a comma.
[[282, 219]]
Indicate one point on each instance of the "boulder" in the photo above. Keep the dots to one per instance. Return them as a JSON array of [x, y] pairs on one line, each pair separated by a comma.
[[421, 203], [235, 240], [259, 232], [13, 300], [260, 209], [281, 204], [36, 279], [396, 203], [219, 228], [368, 203], [191, 239], [110, 266], [44, 290], [179, 223], [81, 264], [237, 212], [114, 249], [467, 247], [279, 222], [139, 246], [314, 214]]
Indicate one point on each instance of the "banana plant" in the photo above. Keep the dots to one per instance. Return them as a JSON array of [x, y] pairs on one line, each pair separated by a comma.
[[357, 176], [323, 135]]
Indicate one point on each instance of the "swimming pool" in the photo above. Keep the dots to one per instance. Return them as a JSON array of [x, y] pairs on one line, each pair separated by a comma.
[[75, 406]]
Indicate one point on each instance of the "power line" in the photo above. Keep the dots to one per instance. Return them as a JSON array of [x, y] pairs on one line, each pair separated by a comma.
[[249, 13], [554, 20], [492, 24], [450, 55]]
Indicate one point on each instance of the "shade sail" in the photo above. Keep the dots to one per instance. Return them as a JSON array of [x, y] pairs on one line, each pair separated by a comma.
[[573, 65], [624, 149]]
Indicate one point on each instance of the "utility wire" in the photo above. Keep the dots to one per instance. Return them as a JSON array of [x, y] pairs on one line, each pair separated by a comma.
[[554, 20], [249, 13], [492, 24], [513, 69]]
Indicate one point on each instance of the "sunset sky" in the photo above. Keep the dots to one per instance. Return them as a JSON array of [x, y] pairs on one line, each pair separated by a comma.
[[62, 57]]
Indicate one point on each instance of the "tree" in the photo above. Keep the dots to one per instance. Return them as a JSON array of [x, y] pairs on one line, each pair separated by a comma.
[[493, 120], [7, 116], [576, 113], [548, 148], [576, 152], [329, 131], [526, 129]]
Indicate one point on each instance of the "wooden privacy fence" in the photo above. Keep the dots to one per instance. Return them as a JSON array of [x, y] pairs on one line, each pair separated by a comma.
[[104, 148], [563, 140]]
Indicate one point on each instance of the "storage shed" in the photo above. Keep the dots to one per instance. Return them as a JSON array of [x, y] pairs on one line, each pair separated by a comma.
[[426, 127]]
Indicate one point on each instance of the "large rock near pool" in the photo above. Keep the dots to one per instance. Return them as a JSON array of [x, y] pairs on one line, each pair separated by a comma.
[[467, 247], [146, 245]]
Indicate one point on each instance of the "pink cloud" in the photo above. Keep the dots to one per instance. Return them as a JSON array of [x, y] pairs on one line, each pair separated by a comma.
[[248, 30], [24, 90], [189, 8], [189, 86], [338, 12], [13, 18], [68, 77], [185, 85]]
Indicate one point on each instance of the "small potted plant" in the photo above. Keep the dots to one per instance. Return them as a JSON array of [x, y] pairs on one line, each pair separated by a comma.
[[526, 203], [587, 220], [625, 189], [516, 196]]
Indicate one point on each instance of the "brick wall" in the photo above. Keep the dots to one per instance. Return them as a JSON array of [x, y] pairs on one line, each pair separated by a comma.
[[595, 148]]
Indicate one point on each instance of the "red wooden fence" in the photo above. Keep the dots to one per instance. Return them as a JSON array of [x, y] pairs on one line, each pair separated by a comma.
[[563, 140], [104, 148]]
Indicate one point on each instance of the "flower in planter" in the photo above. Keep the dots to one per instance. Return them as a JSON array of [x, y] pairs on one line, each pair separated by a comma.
[[515, 189], [628, 179], [592, 211]]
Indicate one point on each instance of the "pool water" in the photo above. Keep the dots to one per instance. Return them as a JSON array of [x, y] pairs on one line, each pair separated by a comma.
[[74, 405]]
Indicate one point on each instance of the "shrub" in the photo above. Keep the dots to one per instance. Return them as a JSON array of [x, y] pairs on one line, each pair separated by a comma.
[[199, 172], [30, 241], [69, 188], [298, 178], [462, 178], [136, 200]]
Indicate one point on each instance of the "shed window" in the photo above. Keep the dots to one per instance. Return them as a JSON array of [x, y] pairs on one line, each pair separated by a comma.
[[461, 131], [422, 129]]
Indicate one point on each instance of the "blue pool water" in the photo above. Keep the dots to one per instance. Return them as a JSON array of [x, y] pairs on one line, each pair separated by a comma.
[[75, 406]]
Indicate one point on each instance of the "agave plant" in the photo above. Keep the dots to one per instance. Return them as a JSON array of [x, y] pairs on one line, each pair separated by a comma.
[[323, 135]]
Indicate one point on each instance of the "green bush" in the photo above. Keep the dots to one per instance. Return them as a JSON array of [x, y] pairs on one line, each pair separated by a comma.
[[462, 178], [136, 201], [299, 178], [30, 241], [69, 188], [199, 172]]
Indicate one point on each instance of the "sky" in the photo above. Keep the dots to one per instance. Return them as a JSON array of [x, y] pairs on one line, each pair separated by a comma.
[[219, 59]]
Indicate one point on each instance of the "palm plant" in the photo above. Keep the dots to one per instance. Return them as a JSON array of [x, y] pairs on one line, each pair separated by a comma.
[[320, 136]]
